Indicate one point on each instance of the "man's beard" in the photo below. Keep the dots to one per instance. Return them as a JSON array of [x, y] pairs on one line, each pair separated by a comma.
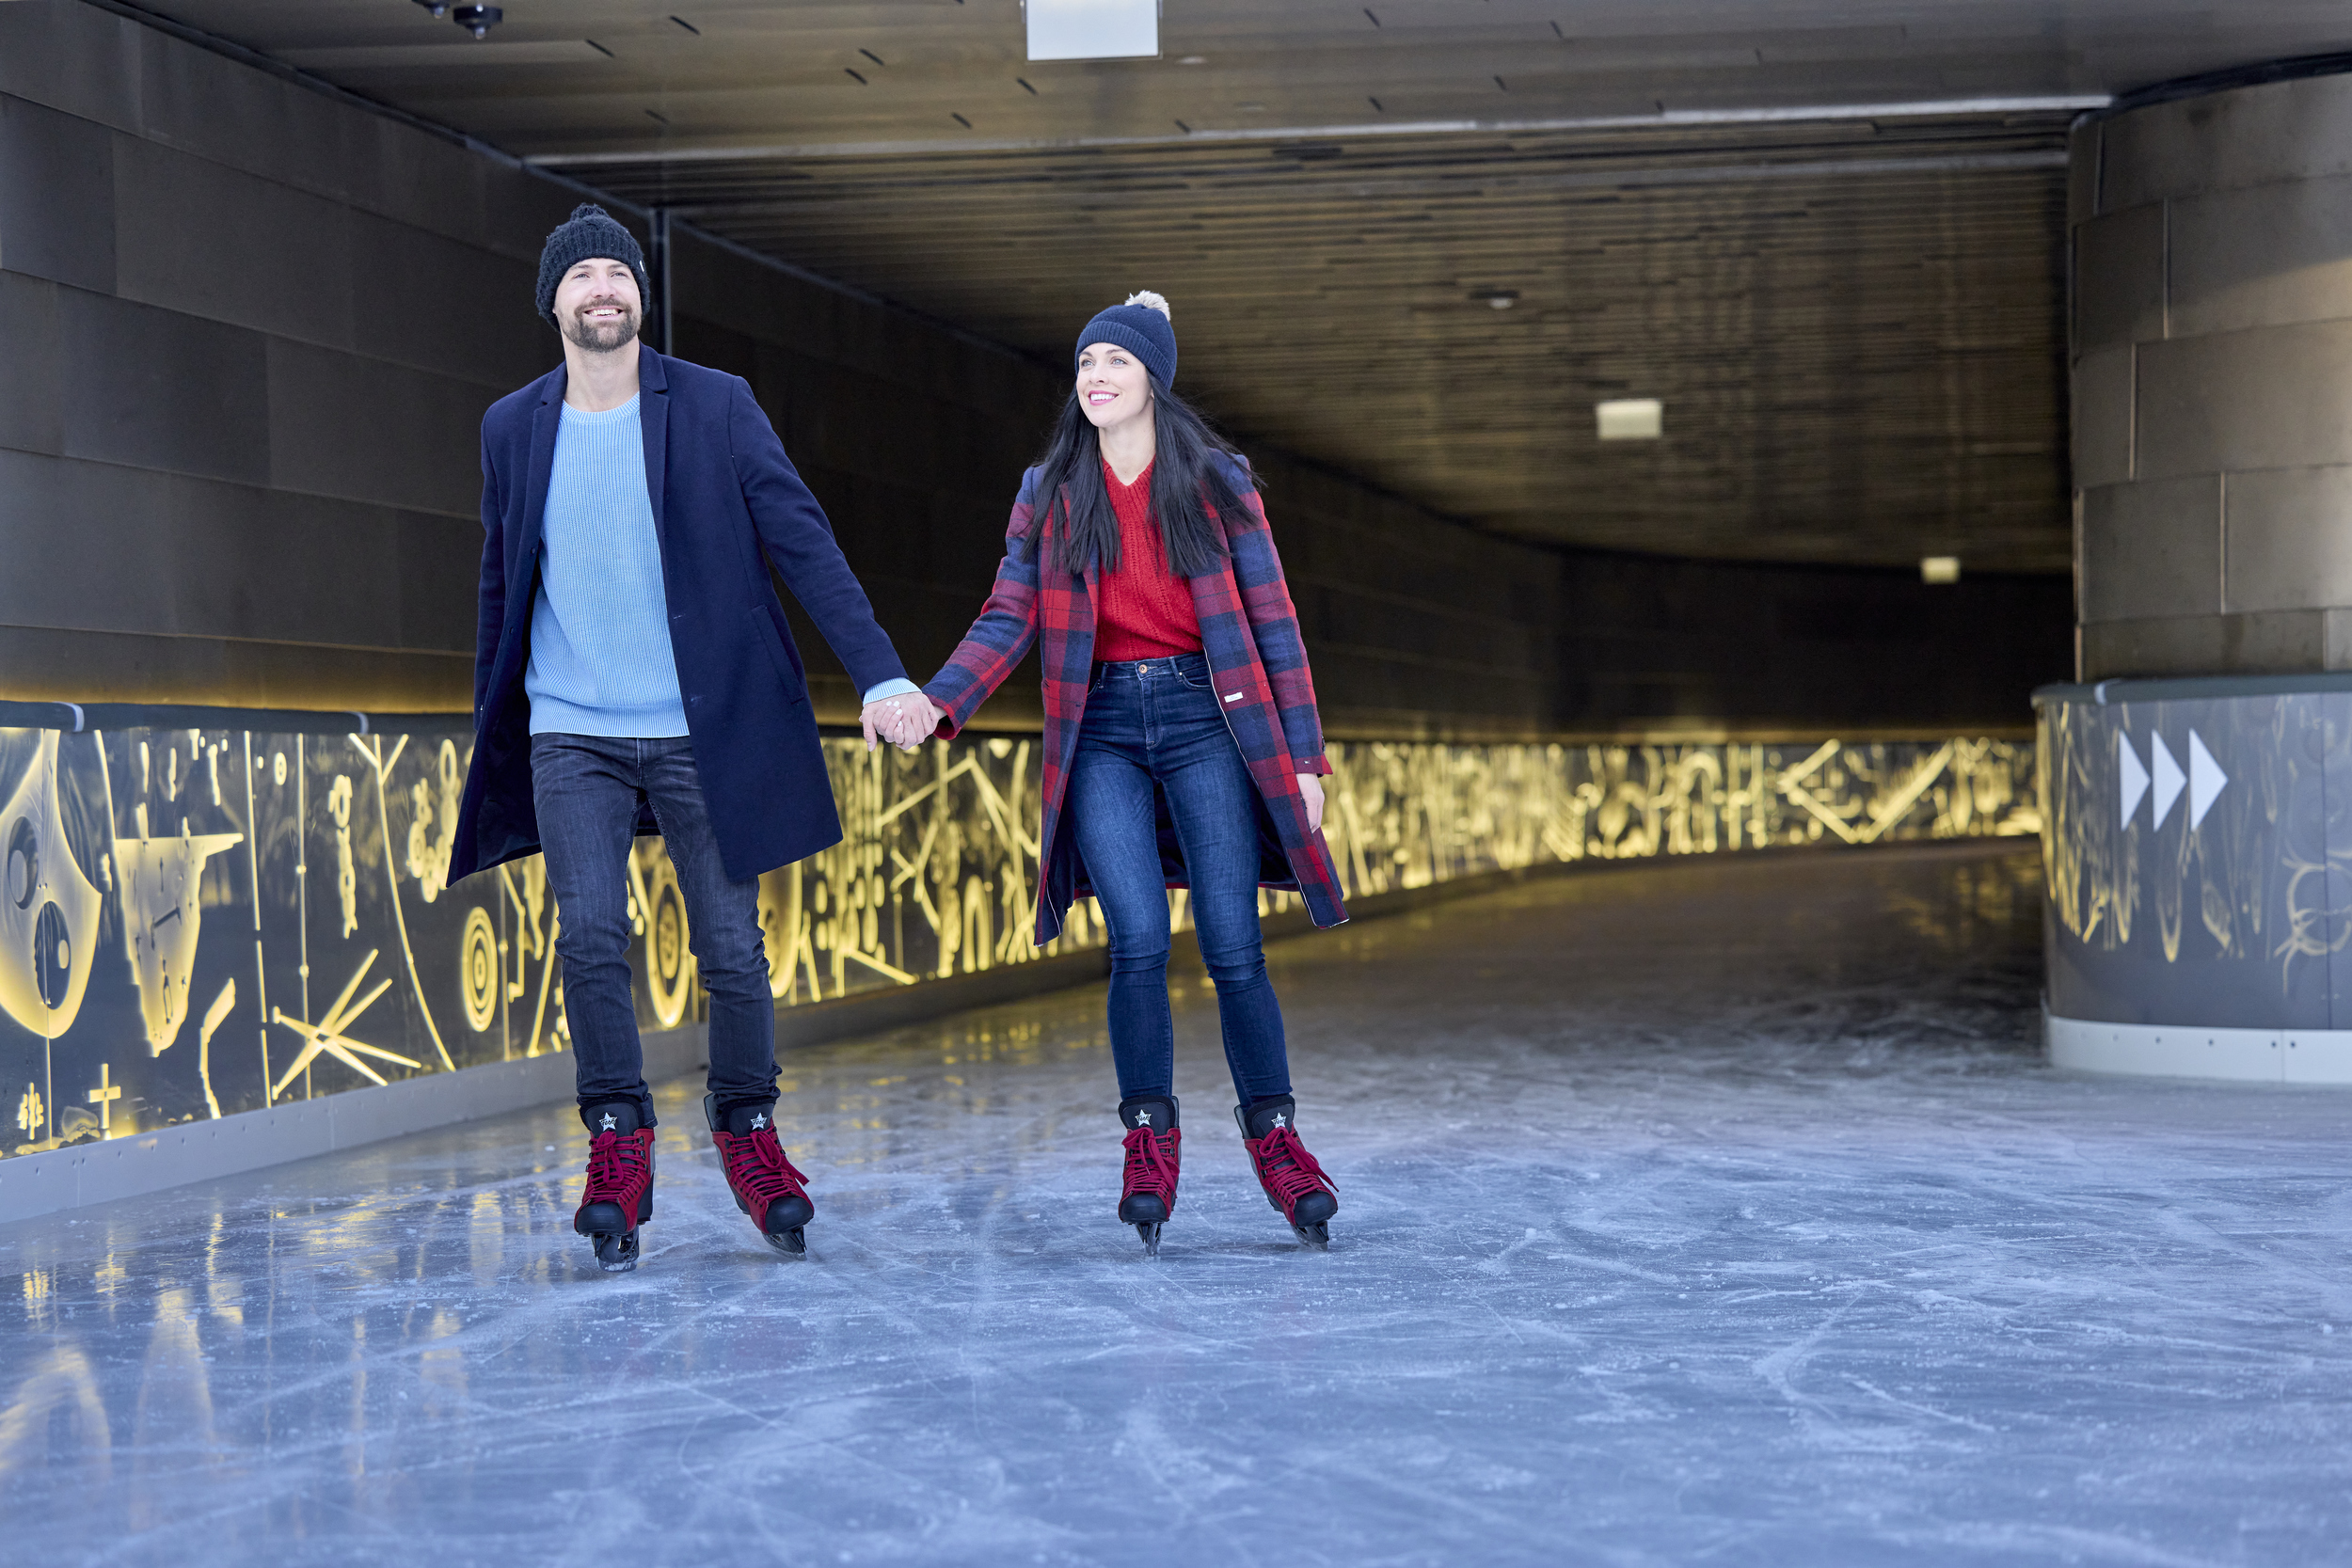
[[601, 337]]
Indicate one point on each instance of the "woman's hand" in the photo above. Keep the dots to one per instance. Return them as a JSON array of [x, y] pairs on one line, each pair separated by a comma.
[[904, 721], [1310, 791]]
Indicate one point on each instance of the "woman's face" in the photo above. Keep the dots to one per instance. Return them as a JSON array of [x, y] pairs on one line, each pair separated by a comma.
[[1113, 386]]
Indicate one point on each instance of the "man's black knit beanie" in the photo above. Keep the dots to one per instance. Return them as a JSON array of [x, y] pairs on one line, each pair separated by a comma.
[[589, 232]]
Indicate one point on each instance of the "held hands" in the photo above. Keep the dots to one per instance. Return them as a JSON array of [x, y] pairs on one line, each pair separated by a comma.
[[1310, 791], [905, 720]]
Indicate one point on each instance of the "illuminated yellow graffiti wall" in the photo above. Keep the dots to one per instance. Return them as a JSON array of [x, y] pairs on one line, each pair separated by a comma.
[[200, 921]]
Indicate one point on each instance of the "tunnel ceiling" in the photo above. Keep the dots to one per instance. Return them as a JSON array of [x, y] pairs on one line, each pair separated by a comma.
[[1825, 233]]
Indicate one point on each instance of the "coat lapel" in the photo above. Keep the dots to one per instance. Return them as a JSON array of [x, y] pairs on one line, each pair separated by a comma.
[[546, 420], [653, 418]]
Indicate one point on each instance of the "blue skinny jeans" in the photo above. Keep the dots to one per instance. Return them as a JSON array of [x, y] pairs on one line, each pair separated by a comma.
[[1152, 731]]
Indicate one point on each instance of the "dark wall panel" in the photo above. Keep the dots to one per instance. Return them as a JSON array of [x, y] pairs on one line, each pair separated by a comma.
[[228, 560], [31, 418], [340, 425], [155, 389], [1644, 639], [51, 165], [202, 239]]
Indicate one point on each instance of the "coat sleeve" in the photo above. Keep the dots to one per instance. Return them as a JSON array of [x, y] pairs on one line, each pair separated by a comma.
[[1274, 624], [798, 539], [1002, 635], [491, 613]]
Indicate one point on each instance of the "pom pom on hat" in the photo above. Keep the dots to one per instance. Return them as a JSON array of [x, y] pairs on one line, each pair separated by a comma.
[[1151, 301]]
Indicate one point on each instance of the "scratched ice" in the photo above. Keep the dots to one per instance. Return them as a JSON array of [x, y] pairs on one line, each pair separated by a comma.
[[1715, 1213]]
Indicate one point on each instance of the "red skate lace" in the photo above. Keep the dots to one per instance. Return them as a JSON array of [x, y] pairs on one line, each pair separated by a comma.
[[618, 1168], [757, 1167], [1287, 1170], [1151, 1160]]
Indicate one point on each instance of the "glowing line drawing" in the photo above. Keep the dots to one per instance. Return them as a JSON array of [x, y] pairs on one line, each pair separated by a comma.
[[163, 920], [382, 766], [327, 1035], [48, 910], [253, 864], [214, 1016]]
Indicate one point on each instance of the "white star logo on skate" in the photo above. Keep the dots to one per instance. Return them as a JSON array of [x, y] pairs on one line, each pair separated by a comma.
[[760, 1121], [611, 1121], [1278, 1119], [1143, 1118]]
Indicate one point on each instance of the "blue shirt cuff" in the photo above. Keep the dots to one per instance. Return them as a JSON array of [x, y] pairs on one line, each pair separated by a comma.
[[899, 687]]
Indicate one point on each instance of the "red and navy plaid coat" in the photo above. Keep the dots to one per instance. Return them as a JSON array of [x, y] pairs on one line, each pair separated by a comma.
[[1249, 633]]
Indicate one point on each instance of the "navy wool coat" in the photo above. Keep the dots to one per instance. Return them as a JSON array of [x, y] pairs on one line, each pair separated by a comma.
[[726, 505]]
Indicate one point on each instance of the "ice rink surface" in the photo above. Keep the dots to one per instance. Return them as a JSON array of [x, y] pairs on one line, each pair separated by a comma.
[[1711, 1213]]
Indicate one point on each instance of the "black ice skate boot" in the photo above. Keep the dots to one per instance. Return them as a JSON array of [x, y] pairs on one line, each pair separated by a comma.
[[1148, 1192], [619, 1195], [1294, 1183], [764, 1182]]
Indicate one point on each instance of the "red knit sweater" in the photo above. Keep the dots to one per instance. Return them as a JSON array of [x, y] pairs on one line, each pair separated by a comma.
[[1147, 610]]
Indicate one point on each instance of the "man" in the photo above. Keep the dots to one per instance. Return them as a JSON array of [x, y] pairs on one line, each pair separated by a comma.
[[634, 675]]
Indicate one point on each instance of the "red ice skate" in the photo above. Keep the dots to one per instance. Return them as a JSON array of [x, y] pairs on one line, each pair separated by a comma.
[[1148, 1192], [1294, 1183], [619, 1195], [764, 1182]]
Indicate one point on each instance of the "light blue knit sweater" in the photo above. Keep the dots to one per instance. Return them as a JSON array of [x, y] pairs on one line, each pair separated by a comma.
[[600, 657]]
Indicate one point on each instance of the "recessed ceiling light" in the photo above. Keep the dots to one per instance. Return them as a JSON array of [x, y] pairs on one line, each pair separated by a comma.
[[1630, 419], [1093, 29], [1939, 568], [1501, 299], [1193, 59]]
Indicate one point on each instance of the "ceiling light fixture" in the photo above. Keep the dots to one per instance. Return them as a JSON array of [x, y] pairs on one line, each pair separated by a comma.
[[1630, 419], [478, 20], [1093, 29], [1501, 299], [437, 9], [1939, 568]]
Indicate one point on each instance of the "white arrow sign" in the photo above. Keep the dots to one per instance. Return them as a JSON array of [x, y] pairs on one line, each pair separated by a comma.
[[2205, 780], [2134, 776], [2170, 778]]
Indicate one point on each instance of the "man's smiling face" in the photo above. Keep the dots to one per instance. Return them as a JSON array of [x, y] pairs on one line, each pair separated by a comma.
[[598, 305]]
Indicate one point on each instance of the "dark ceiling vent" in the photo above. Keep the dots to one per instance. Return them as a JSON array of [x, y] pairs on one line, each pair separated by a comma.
[[1308, 151]]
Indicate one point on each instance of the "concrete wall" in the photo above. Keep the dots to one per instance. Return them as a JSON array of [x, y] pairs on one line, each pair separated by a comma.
[[2213, 383]]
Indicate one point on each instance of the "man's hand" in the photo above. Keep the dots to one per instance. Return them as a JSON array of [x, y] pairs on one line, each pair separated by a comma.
[[1311, 790], [905, 720]]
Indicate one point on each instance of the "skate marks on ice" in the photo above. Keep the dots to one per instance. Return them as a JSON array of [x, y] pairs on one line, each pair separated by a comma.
[[1687, 1216]]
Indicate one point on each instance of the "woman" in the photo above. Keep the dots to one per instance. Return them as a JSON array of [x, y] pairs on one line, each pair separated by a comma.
[[1181, 746]]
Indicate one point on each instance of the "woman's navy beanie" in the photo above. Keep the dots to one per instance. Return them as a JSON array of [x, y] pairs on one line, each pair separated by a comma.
[[1143, 330], [589, 232]]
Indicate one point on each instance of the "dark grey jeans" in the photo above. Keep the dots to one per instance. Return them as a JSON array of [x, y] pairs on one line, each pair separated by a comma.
[[588, 789]]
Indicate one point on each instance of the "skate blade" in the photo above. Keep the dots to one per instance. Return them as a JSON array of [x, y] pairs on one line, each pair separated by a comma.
[[1151, 1234], [615, 1253], [1317, 1235], [792, 1243]]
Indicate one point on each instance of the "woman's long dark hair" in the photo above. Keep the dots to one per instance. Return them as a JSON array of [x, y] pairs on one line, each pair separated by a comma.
[[1188, 477]]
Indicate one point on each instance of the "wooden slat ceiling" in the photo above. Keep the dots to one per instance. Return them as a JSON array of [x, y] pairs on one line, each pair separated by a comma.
[[1855, 320], [1857, 366]]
